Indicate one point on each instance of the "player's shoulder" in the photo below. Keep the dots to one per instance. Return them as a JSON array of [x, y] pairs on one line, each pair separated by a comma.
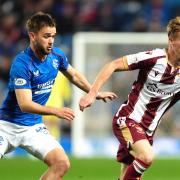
[[155, 52], [150, 54], [22, 58], [57, 51]]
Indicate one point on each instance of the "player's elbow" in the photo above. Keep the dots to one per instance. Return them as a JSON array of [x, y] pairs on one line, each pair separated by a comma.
[[111, 66], [24, 107], [75, 79]]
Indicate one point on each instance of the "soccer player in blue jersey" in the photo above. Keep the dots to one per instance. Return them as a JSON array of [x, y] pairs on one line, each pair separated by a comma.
[[32, 75]]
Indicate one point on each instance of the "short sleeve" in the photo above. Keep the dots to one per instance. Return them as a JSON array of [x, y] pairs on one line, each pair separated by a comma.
[[20, 75], [141, 60], [63, 63], [63, 60]]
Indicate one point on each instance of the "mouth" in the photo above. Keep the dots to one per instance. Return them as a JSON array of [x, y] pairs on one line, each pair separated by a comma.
[[49, 48]]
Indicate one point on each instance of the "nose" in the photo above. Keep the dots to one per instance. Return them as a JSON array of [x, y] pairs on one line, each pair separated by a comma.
[[51, 40]]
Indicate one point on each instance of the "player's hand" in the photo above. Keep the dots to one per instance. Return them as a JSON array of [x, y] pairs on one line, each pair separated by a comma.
[[86, 101], [106, 95], [65, 113]]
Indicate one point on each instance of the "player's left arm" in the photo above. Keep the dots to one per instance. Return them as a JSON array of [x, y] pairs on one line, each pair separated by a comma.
[[80, 81], [77, 78], [120, 64]]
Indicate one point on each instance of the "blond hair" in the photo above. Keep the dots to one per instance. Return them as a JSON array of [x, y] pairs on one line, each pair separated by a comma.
[[173, 27]]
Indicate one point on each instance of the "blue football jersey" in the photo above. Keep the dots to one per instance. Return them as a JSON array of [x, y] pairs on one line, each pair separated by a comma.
[[28, 72]]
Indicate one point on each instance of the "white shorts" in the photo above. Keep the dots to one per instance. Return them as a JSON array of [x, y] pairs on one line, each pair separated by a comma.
[[34, 139]]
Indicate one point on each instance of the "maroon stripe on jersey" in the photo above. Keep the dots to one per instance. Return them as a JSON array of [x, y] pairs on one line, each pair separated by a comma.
[[134, 94], [138, 85], [145, 64], [150, 112], [175, 99], [168, 77]]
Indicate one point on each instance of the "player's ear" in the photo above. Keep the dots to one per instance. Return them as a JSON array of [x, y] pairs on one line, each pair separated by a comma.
[[31, 36], [170, 39]]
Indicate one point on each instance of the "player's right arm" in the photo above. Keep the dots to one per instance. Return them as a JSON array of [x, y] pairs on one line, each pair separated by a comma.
[[119, 64], [142, 60], [20, 82], [24, 99]]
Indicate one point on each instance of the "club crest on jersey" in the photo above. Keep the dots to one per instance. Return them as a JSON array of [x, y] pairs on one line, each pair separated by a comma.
[[55, 63], [139, 130], [36, 73], [20, 82], [156, 73]]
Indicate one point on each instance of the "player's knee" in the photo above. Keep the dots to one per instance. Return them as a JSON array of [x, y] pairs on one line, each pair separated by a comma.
[[146, 157], [66, 165], [62, 166]]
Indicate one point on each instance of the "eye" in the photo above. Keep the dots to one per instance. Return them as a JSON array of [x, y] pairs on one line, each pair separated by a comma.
[[53, 36], [46, 36]]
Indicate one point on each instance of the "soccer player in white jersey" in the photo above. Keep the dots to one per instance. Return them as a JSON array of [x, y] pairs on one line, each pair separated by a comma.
[[32, 76], [156, 89]]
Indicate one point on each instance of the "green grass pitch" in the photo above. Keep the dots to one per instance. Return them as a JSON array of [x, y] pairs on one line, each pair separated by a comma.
[[86, 169]]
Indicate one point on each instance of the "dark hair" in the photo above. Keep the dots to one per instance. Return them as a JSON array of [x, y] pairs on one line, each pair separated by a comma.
[[38, 21]]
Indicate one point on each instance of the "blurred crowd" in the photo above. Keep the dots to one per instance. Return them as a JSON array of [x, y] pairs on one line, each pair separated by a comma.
[[78, 15]]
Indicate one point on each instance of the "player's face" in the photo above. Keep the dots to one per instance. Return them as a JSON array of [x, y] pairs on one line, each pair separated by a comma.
[[44, 39], [175, 45]]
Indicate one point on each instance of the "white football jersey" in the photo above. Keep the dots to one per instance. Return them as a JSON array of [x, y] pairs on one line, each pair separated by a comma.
[[156, 89]]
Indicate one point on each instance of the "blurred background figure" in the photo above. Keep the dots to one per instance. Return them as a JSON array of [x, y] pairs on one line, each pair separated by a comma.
[[5, 63]]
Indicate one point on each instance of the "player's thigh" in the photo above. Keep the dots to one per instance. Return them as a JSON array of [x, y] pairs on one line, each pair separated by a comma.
[[39, 142], [128, 131], [142, 149], [56, 155]]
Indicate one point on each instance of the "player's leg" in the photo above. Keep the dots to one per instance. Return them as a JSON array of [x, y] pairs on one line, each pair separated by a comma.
[[143, 153], [125, 158], [134, 150], [123, 154], [42, 145], [123, 170], [58, 164]]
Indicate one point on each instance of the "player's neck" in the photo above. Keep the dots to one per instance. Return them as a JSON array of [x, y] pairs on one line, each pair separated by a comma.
[[38, 54]]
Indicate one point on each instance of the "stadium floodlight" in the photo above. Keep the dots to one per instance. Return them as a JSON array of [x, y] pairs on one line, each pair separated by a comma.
[[91, 130]]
